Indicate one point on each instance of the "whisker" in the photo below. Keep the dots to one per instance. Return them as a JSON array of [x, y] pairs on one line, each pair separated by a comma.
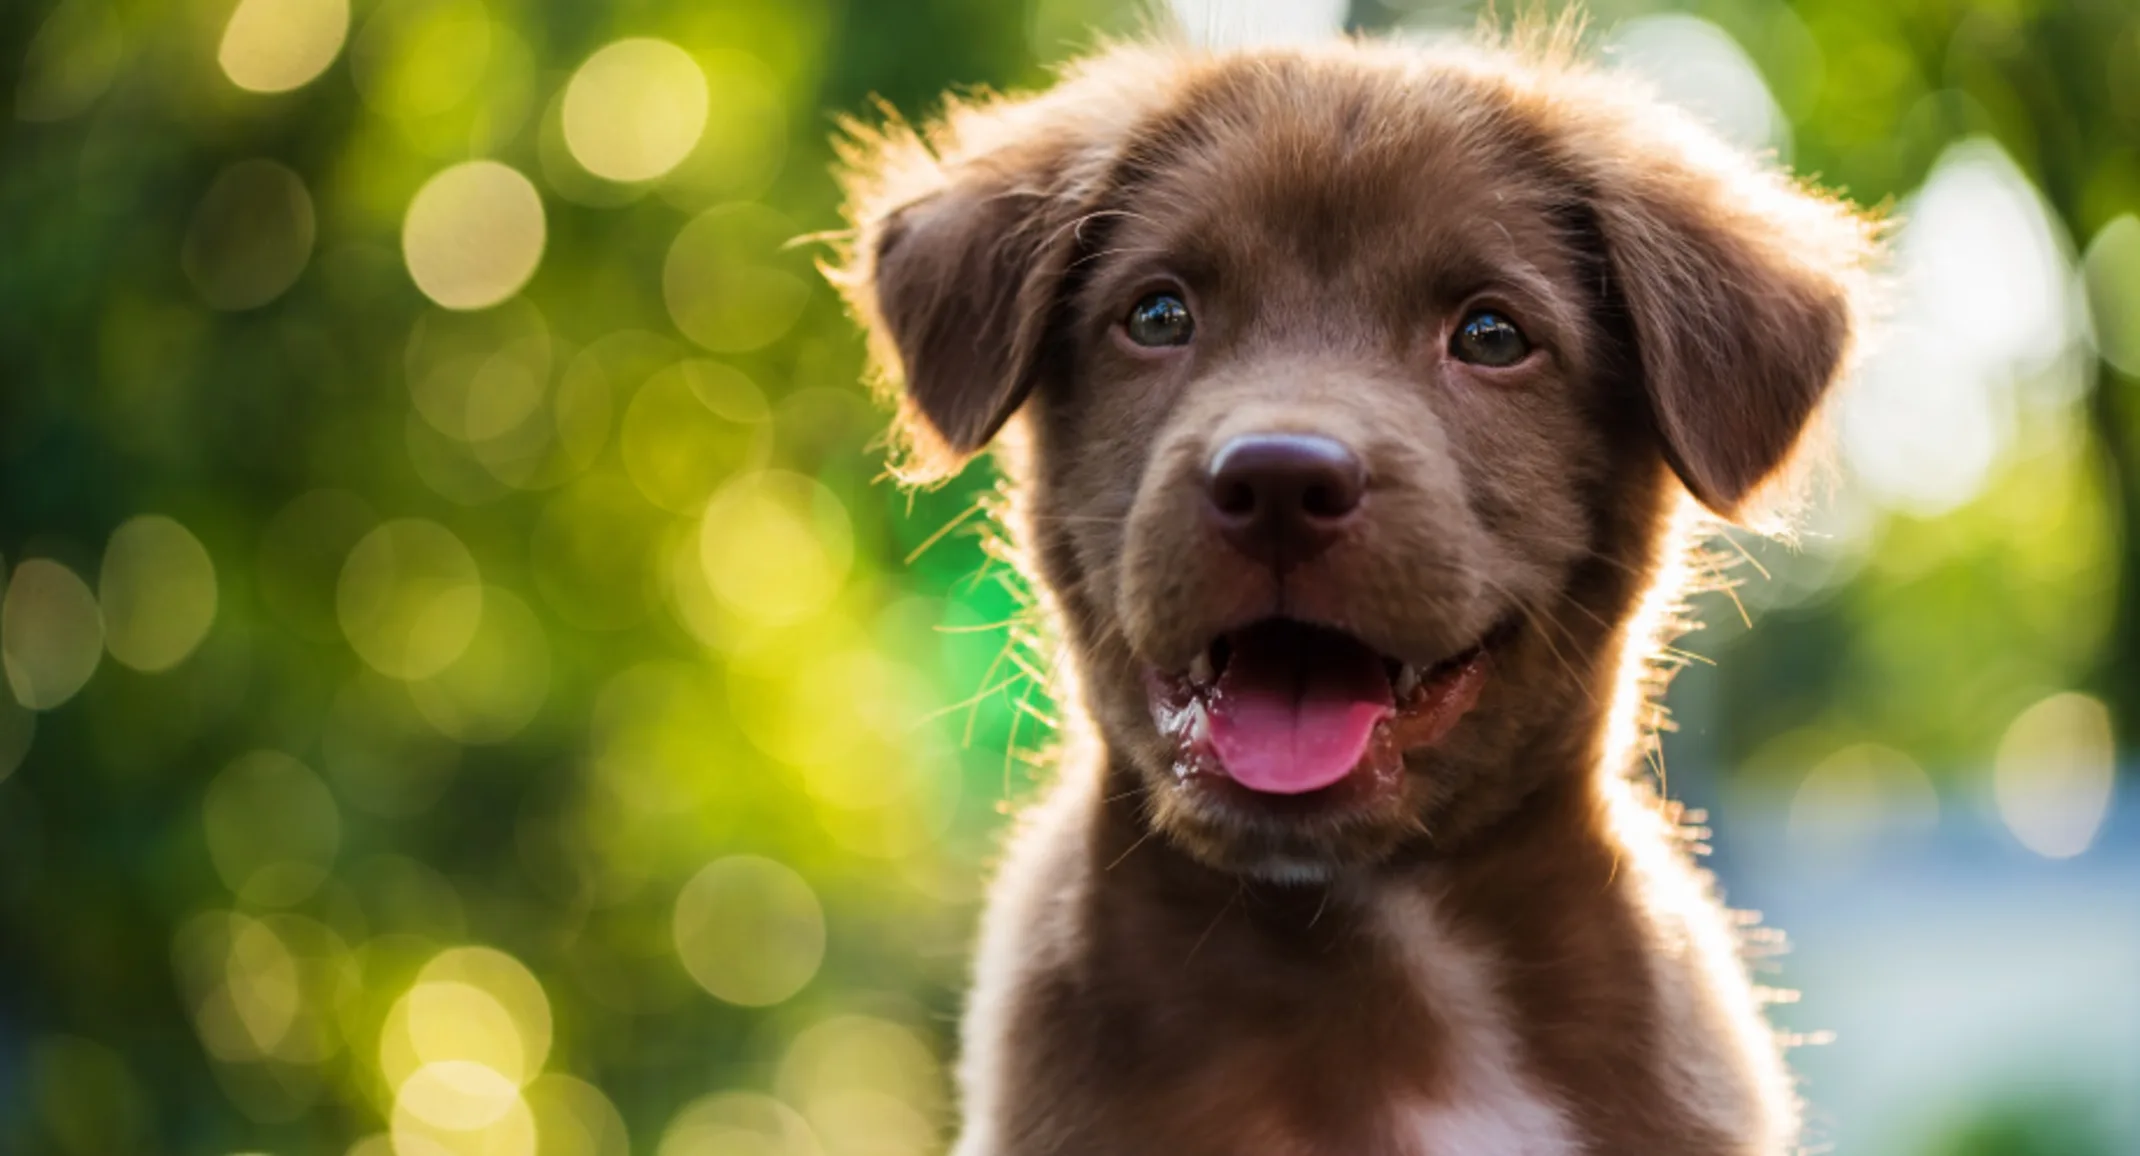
[[1141, 841], [1545, 636], [1101, 254], [1592, 615], [1228, 906], [1593, 554], [1099, 519], [1076, 225], [1546, 624]]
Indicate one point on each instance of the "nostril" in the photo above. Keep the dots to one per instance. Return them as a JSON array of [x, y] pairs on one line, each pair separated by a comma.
[[1325, 501], [1234, 498]]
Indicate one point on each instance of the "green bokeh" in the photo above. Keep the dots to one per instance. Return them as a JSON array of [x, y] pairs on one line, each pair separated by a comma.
[[590, 690]]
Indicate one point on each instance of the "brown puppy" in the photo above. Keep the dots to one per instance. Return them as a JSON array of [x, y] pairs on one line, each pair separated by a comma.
[[1352, 398]]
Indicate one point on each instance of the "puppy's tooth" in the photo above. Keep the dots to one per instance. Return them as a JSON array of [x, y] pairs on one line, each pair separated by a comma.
[[1200, 667], [1199, 723], [1407, 681]]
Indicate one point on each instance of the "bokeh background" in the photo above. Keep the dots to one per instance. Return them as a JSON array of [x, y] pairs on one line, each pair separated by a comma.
[[470, 690]]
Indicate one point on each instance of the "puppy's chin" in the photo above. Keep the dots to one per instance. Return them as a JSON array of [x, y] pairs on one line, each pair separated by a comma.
[[1291, 843]]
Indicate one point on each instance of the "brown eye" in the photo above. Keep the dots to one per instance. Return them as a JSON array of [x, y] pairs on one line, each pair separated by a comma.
[[1160, 319], [1489, 339]]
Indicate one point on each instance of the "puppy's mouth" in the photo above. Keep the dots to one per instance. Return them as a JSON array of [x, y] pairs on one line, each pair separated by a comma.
[[1284, 707]]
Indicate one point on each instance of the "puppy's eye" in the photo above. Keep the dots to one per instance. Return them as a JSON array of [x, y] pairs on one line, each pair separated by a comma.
[[1489, 339], [1160, 319]]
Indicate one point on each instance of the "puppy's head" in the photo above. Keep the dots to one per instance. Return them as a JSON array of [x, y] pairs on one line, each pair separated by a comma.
[[1358, 386]]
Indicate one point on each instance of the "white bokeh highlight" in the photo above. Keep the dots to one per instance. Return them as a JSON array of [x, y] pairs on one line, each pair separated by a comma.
[[1984, 321], [1256, 23], [1698, 66]]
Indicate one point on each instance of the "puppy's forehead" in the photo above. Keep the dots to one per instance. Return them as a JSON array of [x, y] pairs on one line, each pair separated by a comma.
[[1341, 173]]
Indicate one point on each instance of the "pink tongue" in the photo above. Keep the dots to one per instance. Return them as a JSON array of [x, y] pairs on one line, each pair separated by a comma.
[[1296, 707]]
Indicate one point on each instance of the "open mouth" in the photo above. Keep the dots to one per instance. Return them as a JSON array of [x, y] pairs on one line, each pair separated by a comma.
[[1284, 707]]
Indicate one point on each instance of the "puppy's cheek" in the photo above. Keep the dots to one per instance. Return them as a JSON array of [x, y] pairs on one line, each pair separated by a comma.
[[1114, 697], [1166, 589], [1490, 762], [1098, 608]]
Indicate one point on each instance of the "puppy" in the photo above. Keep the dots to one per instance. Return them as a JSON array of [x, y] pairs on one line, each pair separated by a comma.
[[1352, 399]]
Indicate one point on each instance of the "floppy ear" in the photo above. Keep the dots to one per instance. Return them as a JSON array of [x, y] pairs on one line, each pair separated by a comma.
[[962, 239], [1742, 291], [964, 283]]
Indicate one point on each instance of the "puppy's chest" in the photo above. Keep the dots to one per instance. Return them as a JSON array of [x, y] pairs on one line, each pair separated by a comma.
[[1435, 1068], [1490, 1113], [1478, 1105], [1484, 1097]]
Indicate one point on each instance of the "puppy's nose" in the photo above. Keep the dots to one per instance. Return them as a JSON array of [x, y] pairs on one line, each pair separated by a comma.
[[1282, 498]]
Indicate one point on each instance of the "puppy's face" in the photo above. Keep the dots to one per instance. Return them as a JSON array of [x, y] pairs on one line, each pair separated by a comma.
[[1351, 404], [1330, 448]]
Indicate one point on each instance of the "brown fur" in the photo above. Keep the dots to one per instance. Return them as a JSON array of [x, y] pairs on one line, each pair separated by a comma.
[[1164, 970]]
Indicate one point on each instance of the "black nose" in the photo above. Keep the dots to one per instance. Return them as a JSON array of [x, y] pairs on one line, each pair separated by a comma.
[[1282, 498]]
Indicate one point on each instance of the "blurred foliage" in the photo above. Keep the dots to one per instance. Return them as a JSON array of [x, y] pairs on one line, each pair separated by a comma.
[[534, 721], [2030, 1129]]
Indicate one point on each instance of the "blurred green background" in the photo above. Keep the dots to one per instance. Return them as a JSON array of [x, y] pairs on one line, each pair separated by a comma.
[[469, 688]]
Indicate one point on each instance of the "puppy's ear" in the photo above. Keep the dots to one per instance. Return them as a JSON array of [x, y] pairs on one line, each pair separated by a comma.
[[962, 238], [1742, 290], [965, 281]]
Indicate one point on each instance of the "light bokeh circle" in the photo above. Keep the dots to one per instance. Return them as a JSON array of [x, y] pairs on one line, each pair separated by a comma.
[[467, 1035], [272, 827], [278, 45], [157, 590], [732, 281], [575, 1118], [51, 634], [635, 109], [510, 1133], [738, 1124], [689, 428], [498, 683], [776, 546], [508, 981], [749, 930], [474, 235], [2055, 773], [251, 236], [410, 598]]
